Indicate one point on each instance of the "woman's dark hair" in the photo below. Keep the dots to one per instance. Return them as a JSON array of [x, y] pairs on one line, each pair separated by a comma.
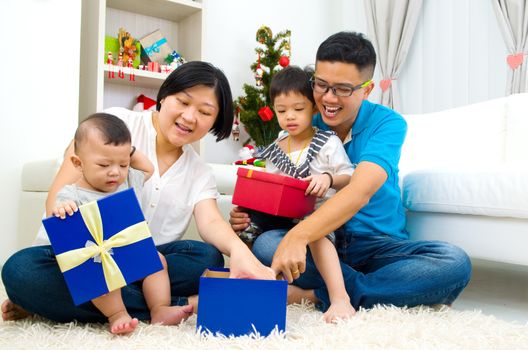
[[292, 79], [349, 47], [195, 73], [113, 129]]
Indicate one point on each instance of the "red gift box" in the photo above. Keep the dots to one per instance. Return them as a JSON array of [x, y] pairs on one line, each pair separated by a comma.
[[272, 194], [153, 67]]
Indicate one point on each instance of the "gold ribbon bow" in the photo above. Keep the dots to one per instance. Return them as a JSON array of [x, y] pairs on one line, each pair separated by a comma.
[[92, 218]]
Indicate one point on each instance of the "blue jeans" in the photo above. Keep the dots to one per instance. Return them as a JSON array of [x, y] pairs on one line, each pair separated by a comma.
[[384, 270], [33, 280]]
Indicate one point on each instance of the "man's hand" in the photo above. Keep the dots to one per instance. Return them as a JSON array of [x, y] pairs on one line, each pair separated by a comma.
[[63, 208], [238, 219], [290, 257]]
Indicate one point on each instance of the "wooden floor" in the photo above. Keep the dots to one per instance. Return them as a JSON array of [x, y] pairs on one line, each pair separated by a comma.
[[497, 289]]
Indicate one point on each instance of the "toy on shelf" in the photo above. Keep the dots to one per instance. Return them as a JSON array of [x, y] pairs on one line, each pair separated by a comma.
[[156, 46], [127, 46], [110, 62], [130, 65], [120, 72], [174, 59], [153, 67]]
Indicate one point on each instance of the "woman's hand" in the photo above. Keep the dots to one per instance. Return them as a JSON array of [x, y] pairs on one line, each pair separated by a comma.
[[238, 219], [243, 264], [214, 230]]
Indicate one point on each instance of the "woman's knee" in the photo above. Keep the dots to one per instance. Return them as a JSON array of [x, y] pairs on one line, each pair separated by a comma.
[[17, 268]]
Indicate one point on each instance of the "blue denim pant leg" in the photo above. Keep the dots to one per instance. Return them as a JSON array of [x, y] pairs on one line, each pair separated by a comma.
[[33, 280], [386, 270]]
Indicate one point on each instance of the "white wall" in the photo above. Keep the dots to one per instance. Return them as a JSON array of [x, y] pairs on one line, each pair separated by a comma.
[[457, 57], [38, 85]]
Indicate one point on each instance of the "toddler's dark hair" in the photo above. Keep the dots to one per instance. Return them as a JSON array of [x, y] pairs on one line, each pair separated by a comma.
[[292, 79]]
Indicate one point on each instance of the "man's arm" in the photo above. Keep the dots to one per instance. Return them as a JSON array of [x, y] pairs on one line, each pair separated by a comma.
[[290, 255]]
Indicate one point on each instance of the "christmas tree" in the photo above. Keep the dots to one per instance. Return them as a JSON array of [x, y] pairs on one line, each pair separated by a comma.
[[254, 107]]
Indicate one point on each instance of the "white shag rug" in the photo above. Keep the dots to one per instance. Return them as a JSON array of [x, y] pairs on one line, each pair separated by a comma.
[[378, 328]]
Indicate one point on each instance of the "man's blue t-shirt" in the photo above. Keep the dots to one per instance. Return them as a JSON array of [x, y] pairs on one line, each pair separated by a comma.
[[377, 136]]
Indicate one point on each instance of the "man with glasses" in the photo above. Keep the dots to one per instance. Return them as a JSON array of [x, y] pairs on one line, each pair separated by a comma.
[[380, 264]]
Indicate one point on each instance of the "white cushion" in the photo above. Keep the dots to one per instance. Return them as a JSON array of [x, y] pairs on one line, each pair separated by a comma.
[[225, 176], [473, 134], [495, 191], [517, 124], [37, 176]]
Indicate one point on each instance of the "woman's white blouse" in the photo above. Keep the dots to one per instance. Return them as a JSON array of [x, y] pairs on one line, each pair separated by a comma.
[[168, 201]]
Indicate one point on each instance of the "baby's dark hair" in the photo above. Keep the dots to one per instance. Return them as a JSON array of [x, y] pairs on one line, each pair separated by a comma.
[[113, 130], [292, 79], [349, 47]]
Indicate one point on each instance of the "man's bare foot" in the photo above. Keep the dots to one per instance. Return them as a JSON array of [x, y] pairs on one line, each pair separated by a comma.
[[12, 312], [297, 294], [170, 315], [122, 323]]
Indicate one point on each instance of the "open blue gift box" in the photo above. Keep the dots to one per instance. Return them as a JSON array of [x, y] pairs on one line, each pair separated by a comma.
[[233, 306], [104, 246]]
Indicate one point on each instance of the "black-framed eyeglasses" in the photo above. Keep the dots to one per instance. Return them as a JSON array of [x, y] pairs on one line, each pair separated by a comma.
[[341, 90]]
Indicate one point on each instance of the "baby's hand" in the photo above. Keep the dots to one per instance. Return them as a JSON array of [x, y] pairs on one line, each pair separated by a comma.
[[340, 309], [63, 208], [319, 185]]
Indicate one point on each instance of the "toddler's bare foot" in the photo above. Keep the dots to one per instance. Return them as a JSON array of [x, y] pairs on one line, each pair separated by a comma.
[[170, 315], [12, 312], [122, 323], [339, 309], [297, 294]]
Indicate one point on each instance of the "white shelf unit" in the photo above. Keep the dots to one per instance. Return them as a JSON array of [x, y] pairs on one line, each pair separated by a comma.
[[180, 21]]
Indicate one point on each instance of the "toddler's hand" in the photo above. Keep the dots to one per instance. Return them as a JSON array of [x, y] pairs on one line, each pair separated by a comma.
[[340, 309], [319, 185], [63, 208]]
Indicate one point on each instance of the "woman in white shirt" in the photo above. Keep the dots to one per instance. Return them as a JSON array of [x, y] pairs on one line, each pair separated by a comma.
[[193, 100]]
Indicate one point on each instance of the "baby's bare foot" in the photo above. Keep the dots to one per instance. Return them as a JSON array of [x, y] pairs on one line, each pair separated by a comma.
[[12, 312], [122, 323], [170, 315]]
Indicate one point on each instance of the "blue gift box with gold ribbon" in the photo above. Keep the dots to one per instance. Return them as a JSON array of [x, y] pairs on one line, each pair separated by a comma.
[[104, 246]]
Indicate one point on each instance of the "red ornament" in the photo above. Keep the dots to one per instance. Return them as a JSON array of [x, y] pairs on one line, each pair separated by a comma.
[[265, 113], [284, 61]]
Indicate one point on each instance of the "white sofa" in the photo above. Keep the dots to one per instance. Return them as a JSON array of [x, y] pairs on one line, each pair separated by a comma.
[[464, 179]]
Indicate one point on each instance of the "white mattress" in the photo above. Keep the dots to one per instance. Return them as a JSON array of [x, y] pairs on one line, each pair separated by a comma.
[[497, 191]]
